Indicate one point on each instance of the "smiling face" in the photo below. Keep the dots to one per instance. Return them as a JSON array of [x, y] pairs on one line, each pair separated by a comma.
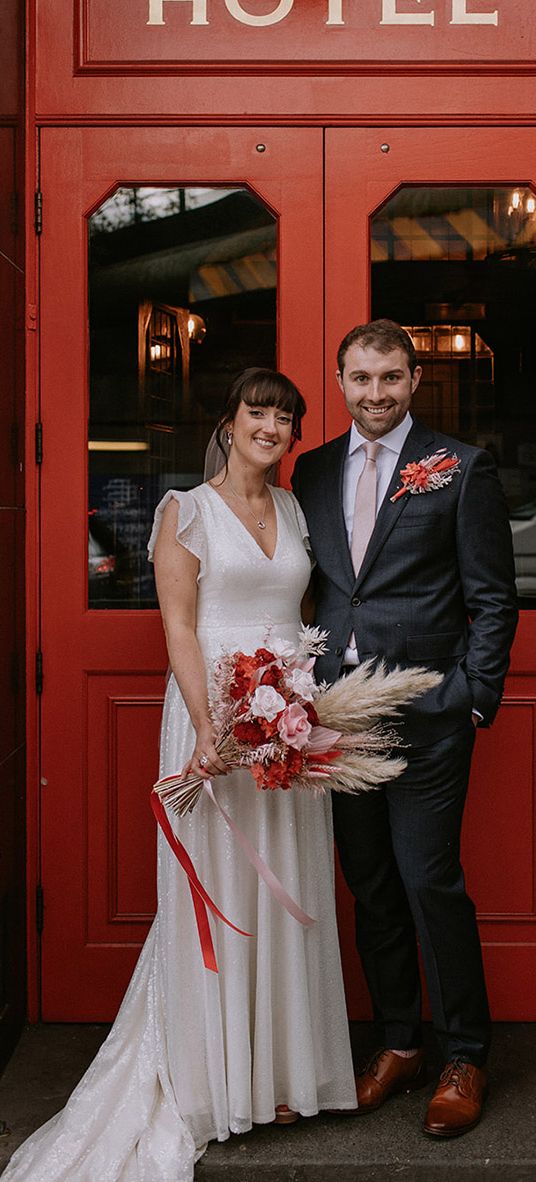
[[377, 388], [261, 434]]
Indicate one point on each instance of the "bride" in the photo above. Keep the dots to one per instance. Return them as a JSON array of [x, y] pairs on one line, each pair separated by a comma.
[[194, 1055]]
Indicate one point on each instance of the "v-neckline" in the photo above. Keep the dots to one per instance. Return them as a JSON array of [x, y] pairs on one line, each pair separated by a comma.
[[269, 558]]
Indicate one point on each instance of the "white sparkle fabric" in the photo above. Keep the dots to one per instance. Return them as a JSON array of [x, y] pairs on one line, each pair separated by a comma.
[[192, 1055]]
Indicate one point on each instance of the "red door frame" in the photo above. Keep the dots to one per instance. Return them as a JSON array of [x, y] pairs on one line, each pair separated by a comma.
[[347, 287], [338, 297], [455, 95]]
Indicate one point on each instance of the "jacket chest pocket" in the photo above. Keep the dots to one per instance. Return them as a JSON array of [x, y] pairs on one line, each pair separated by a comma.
[[419, 520]]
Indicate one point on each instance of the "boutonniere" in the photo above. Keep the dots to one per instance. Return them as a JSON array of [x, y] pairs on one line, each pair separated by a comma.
[[428, 474]]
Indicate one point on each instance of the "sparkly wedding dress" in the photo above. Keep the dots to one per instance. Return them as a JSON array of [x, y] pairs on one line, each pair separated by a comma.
[[192, 1054]]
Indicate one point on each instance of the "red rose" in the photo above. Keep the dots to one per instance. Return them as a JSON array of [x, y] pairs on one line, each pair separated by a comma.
[[249, 732], [311, 713], [239, 686], [271, 676], [263, 656]]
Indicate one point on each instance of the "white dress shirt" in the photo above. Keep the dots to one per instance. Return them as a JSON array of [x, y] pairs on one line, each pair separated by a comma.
[[386, 461]]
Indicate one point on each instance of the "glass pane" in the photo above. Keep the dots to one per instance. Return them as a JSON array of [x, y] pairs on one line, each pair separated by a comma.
[[457, 267], [182, 296]]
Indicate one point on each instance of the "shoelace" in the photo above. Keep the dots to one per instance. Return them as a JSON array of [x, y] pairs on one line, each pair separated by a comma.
[[371, 1066], [455, 1073]]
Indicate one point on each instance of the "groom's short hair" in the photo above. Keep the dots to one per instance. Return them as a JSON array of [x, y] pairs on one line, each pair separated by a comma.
[[382, 335]]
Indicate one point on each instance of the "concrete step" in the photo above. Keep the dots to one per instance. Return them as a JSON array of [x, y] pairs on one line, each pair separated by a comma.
[[386, 1146]]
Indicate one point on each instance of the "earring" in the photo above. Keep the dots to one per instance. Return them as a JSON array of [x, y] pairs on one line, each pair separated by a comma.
[[229, 437]]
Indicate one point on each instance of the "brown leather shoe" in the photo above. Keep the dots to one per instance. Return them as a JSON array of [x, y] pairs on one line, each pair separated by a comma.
[[456, 1105], [385, 1075]]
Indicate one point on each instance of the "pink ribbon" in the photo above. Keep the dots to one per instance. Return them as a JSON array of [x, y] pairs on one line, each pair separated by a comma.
[[263, 870]]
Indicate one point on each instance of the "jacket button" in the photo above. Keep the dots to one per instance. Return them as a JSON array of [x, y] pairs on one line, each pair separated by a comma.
[[356, 601], [338, 652]]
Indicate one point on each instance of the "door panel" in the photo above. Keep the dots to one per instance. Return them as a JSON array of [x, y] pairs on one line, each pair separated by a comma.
[[396, 175], [104, 669]]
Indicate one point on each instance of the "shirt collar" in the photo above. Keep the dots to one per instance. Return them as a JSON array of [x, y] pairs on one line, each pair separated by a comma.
[[394, 440]]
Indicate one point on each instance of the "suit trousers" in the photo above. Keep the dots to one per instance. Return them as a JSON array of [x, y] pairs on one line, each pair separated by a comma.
[[400, 854]]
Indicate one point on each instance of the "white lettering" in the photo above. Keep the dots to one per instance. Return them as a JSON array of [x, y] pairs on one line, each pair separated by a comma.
[[460, 15], [199, 11], [335, 16], [272, 18], [390, 16], [390, 13]]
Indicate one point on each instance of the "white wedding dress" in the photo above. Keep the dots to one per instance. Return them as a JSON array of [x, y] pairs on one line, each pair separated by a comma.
[[192, 1054]]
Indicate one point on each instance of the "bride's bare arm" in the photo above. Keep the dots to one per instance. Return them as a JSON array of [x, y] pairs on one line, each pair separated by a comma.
[[176, 571]]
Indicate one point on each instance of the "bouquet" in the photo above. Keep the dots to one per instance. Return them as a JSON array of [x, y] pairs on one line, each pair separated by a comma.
[[271, 717]]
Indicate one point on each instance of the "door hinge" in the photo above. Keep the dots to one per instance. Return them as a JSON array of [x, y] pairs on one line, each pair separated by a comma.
[[39, 443], [39, 908], [38, 210], [39, 672]]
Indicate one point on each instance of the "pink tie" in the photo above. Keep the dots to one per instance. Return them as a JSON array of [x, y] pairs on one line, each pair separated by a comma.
[[365, 507]]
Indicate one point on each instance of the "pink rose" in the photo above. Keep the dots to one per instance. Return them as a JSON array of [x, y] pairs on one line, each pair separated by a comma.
[[294, 726]]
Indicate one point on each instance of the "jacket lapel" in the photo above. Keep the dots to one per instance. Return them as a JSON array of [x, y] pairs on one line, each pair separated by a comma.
[[419, 442]]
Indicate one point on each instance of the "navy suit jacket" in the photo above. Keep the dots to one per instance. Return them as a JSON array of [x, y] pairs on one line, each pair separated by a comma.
[[436, 586]]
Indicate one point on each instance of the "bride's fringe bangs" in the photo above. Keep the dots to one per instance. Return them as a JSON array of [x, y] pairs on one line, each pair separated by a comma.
[[262, 387]]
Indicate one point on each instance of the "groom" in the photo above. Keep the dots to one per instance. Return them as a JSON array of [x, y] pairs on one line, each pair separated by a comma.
[[422, 579]]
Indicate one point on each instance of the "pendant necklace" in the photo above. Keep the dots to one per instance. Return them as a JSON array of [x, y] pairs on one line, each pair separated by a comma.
[[259, 521]]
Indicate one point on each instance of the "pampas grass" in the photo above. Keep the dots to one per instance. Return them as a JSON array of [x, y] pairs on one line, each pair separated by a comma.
[[366, 752], [370, 694], [357, 706]]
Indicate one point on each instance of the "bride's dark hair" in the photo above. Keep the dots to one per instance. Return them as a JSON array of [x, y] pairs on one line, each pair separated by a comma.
[[262, 387]]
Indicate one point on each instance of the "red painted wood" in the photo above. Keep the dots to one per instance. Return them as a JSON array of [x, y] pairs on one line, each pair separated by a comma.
[[96, 920], [499, 836], [172, 94], [498, 853], [103, 670], [10, 58], [119, 36]]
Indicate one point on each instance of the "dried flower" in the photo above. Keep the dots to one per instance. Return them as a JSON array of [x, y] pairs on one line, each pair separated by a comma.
[[292, 733]]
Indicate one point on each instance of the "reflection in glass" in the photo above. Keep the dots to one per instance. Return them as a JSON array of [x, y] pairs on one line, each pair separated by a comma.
[[182, 296], [457, 266]]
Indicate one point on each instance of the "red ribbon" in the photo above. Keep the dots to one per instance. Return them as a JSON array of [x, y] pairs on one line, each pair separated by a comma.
[[200, 897]]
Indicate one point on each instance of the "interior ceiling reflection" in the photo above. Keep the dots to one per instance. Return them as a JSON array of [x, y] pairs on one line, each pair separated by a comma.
[[426, 224]]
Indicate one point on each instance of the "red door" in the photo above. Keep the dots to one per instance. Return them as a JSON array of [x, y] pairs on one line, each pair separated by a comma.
[[433, 227], [436, 228], [141, 372]]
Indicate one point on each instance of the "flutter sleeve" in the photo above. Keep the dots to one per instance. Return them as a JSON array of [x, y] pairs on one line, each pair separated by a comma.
[[190, 530]]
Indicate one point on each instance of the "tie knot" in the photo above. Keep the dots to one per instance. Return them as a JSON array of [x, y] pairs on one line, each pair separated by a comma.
[[372, 450]]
